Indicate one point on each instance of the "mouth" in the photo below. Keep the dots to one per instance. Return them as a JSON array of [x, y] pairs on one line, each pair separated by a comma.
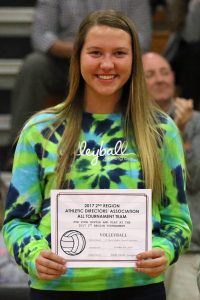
[[106, 77]]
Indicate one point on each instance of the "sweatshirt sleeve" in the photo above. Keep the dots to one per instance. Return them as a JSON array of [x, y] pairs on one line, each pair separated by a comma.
[[192, 153], [45, 25], [140, 12], [173, 226], [23, 204]]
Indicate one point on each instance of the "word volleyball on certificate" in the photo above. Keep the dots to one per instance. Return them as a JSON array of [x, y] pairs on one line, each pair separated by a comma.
[[101, 228]]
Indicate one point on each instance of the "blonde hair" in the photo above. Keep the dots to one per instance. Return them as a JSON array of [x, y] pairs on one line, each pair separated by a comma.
[[139, 113]]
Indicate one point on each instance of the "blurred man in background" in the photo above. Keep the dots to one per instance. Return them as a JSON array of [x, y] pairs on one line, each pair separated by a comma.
[[181, 279]]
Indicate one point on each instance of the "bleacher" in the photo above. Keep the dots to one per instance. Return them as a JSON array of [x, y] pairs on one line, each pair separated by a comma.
[[15, 26]]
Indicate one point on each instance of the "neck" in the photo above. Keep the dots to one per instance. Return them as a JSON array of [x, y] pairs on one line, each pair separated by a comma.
[[165, 105], [100, 108], [102, 104]]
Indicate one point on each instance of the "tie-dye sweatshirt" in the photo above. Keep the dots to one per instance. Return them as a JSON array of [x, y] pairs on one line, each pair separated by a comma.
[[27, 227]]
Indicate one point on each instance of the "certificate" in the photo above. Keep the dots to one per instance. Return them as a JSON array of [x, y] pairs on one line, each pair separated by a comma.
[[101, 228]]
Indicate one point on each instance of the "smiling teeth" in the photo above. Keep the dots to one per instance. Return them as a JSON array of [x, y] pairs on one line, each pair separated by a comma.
[[106, 77]]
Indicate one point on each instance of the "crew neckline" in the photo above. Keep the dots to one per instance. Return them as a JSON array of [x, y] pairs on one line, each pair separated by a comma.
[[114, 115]]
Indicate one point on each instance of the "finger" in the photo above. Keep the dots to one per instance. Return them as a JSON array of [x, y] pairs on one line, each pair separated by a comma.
[[182, 109], [151, 271], [180, 103], [50, 260], [50, 264], [184, 100], [154, 253], [192, 104], [52, 256], [178, 115], [152, 263], [48, 271], [183, 104], [44, 276]]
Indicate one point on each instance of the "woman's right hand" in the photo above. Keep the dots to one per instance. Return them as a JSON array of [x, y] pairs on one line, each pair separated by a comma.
[[50, 265]]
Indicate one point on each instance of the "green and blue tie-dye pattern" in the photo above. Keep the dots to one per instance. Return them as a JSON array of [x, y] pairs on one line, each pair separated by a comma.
[[104, 160]]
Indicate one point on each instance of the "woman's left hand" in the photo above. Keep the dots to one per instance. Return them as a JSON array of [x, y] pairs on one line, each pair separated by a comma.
[[152, 263]]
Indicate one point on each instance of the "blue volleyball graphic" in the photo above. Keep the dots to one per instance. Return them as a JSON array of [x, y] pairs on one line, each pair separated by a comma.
[[72, 242]]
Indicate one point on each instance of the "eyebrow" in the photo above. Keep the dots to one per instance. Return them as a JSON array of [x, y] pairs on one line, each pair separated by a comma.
[[99, 48], [160, 69], [165, 69]]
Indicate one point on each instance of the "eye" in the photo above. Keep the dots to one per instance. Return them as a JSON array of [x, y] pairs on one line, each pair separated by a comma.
[[120, 53], [95, 53], [165, 72], [149, 75]]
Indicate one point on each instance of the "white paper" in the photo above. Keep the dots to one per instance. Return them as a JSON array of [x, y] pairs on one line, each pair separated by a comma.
[[101, 228]]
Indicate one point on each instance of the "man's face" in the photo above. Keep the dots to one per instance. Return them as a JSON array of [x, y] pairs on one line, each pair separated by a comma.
[[159, 78]]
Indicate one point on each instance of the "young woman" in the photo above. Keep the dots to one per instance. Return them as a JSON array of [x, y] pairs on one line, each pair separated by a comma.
[[107, 103]]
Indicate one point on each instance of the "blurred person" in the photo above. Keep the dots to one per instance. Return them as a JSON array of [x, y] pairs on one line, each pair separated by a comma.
[[3, 192], [107, 103], [181, 278], [10, 273], [154, 4], [183, 47], [11, 276], [198, 278], [43, 75]]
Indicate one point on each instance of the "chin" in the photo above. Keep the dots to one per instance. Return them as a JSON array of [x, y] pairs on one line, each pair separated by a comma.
[[161, 99]]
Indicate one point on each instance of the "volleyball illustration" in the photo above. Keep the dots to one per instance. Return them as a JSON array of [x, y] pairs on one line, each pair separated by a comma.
[[72, 242]]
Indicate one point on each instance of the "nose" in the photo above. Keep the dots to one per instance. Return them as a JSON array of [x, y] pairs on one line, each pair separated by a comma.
[[158, 77], [107, 63]]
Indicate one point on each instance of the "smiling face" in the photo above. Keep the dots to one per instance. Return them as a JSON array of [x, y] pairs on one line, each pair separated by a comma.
[[106, 65], [159, 79]]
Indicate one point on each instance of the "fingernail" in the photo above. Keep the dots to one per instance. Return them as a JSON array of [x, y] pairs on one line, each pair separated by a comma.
[[64, 261], [138, 263], [136, 270]]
